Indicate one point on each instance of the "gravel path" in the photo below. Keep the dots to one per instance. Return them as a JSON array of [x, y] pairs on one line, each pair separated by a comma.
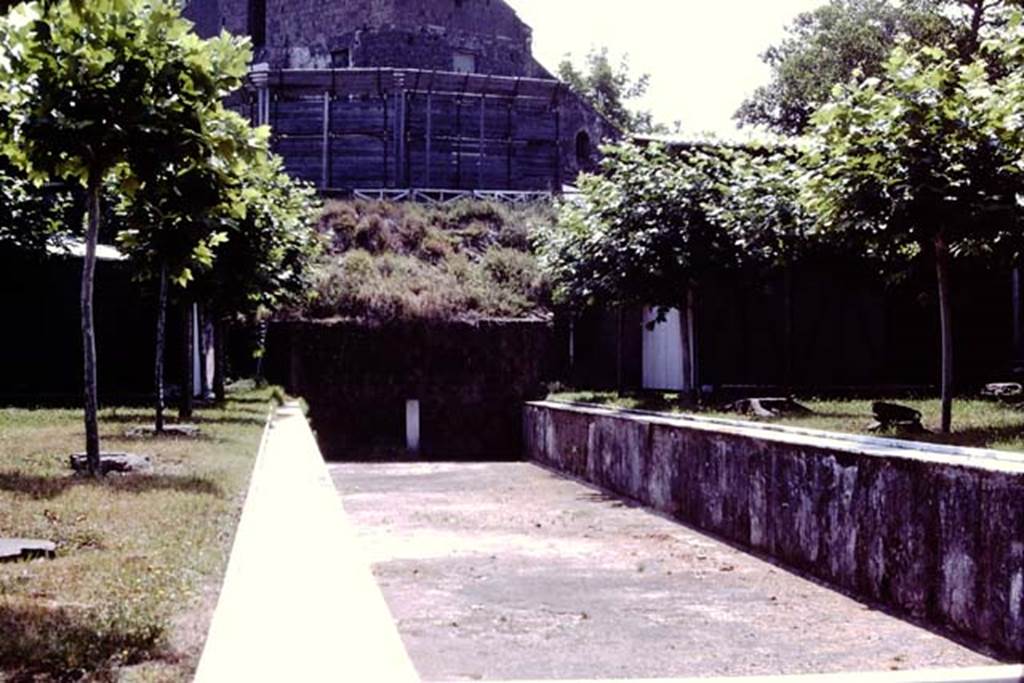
[[508, 571]]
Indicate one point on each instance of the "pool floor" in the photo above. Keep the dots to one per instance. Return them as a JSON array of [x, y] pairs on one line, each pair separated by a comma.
[[509, 571]]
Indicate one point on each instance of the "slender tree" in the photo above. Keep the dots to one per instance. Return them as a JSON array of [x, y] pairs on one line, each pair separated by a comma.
[[172, 226], [828, 45], [265, 262], [104, 86], [645, 233], [925, 162], [611, 89]]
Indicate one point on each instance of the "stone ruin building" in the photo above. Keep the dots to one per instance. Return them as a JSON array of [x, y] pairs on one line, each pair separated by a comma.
[[394, 98]]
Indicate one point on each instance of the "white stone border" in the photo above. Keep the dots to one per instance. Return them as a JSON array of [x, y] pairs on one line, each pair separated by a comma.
[[299, 601], [1000, 461], [985, 674]]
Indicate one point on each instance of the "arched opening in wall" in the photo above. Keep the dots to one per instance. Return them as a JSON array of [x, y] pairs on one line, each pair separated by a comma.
[[258, 22], [584, 150]]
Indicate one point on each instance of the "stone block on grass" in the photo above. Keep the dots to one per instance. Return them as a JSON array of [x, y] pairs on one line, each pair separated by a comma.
[[119, 463], [21, 549]]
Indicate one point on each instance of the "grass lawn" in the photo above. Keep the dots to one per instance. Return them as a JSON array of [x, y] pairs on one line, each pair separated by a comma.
[[981, 424], [140, 557]]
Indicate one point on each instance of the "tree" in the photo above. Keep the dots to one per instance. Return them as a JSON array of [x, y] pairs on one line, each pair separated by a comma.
[[644, 232], [174, 222], [264, 263], [831, 44], [104, 86], [30, 216], [925, 161], [610, 89]]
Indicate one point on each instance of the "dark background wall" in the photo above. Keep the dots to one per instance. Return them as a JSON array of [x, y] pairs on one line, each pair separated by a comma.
[[41, 347], [816, 329], [471, 380]]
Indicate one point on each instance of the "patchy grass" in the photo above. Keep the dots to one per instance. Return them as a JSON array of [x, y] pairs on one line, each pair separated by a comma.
[[389, 261], [980, 424], [140, 557]]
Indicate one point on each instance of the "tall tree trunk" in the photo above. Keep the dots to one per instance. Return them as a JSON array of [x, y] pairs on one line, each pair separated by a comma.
[[691, 340], [978, 9], [946, 324], [161, 346], [205, 381], [187, 374], [618, 349], [1018, 318], [220, 360], [787, 329], [92, 429]]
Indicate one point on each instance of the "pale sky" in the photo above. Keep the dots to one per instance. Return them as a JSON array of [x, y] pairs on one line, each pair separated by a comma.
[[703, 55]]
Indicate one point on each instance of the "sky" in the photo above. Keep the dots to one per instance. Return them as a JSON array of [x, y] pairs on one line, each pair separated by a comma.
[[703, 56]]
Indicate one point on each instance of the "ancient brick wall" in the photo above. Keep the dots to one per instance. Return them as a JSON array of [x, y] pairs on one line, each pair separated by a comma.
[[210, 16], [533, 148], [425, 34]]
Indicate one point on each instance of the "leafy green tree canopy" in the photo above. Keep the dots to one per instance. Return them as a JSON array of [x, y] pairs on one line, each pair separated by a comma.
[[832, 44], [643, 231], [265, 262], [108, 90], [30, 216], [610, 88], [926, 159], [116, 81], [761, 206]]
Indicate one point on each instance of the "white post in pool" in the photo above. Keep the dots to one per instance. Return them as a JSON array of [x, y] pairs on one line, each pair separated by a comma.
[[412, 426]]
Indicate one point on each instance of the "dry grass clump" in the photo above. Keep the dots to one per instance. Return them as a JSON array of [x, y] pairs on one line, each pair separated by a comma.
[[391, 261]]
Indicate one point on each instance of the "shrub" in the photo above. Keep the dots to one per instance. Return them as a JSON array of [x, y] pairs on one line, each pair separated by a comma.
[[411, 261]]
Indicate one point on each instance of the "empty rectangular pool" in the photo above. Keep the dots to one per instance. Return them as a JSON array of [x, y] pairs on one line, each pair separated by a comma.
[[509, 571]]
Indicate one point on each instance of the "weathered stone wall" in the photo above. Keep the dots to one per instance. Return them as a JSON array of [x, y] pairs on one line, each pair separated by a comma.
[[551, 140], [937, 535], [423, 34], [471, 380]]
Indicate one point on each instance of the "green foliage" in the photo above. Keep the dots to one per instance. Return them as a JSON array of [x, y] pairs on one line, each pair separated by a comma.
[[30, 216], [932, 148], [833, 43], [927, 159], [417, 262], [610, 88], [108, 83], [645, 230], [265, 261], [761, 207], [115, 91]]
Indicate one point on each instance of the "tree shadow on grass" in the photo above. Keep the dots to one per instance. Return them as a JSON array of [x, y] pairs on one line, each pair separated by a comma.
[[837, 415], [979, 437], [260, 401], [232, 420], [120, 419], [47, 488], [65, 644], [652, 402]]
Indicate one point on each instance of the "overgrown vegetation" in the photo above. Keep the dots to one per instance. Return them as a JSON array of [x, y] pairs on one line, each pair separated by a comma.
[[140, 557], [466, 260], [981, 424]]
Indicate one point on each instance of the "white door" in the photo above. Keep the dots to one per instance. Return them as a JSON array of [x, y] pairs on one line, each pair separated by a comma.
[[663, 347]]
